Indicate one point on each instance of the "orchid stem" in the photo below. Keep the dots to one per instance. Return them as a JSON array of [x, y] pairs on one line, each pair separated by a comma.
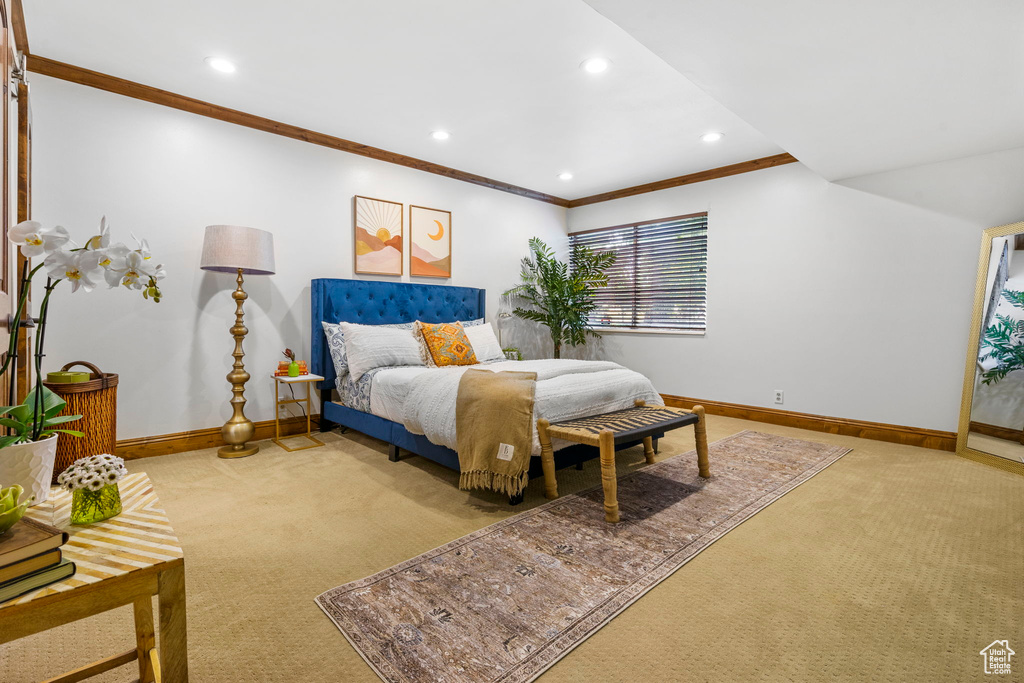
[[12, 350], [39, 418]]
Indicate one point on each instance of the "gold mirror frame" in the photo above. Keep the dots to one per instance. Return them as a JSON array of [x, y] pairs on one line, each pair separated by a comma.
[[973, 344]]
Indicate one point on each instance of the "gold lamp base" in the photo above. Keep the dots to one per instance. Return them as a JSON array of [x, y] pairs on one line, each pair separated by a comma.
[[239, 429], [238, 451]]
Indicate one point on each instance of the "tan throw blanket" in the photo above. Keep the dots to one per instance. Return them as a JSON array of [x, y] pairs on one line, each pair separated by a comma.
[[494, 429]]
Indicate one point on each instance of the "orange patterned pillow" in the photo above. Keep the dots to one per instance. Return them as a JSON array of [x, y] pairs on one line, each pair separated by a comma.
[[447, 344]]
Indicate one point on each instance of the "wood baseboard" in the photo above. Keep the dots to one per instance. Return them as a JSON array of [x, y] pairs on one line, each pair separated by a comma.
[[1004, 433], [879, 431], [164, 444]]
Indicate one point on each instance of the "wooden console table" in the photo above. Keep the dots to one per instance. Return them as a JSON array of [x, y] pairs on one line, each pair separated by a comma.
[[125, 560]]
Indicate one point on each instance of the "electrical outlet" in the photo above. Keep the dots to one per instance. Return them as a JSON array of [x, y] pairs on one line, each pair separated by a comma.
[[778, 396]]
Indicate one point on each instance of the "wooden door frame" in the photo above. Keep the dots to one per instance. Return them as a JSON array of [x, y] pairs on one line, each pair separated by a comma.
[[24, 365]]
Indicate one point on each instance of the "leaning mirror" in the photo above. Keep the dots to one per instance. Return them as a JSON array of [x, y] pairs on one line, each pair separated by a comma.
[[992, 412]]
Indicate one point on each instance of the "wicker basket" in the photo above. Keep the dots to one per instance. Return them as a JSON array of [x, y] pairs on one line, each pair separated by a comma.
[[96, 402]]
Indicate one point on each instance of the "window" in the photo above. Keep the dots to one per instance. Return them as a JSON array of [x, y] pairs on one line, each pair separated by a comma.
[[659, 280]]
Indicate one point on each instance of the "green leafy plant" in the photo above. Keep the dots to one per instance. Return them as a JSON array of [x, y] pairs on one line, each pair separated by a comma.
[[512, 353], [1004, 342], [25, 426], [560, 295]]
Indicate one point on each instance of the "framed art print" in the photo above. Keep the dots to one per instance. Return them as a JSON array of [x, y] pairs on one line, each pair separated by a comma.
[[431, 238], [378, 236]]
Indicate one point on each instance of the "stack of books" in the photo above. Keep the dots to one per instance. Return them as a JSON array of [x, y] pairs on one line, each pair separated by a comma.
[[282, 369], [30, 558]]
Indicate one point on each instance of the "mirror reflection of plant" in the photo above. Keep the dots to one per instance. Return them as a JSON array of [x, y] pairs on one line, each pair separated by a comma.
[[560, 295], [81, 266], [1004, 342]]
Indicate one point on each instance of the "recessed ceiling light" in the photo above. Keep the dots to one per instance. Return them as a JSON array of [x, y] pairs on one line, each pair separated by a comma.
[[440, 135], [220, 64], [565, 175], [595, 65], [712, 137]]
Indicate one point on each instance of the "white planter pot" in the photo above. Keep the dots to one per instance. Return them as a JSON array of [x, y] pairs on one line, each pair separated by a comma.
[[29, 465]]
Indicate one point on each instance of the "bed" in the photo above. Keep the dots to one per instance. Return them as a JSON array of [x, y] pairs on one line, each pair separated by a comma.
[[381, 303]]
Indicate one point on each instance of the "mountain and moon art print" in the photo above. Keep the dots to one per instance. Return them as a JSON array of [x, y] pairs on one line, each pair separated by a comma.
[[431, 237], [378, 237]]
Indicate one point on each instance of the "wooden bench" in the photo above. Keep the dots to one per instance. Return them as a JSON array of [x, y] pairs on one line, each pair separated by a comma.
[[609, 429]]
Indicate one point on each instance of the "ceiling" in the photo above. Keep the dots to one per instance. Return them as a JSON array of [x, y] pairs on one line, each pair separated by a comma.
[[502, 76], [850, 88]]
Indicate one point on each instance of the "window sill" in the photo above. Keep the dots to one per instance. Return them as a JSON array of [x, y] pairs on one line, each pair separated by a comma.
[[651, 330]]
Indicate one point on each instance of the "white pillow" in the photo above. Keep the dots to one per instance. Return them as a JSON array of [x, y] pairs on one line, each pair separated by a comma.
[[485, 344], [373, 346], [336, 344]]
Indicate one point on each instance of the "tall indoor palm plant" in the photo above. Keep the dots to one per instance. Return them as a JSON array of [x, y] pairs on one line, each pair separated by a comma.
[[560, 295]]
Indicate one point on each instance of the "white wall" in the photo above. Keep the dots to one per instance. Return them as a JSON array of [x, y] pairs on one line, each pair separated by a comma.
[[165, 175], [855, 305]]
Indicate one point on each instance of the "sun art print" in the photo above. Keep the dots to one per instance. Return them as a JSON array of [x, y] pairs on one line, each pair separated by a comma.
[[431, 236], [378, 236]]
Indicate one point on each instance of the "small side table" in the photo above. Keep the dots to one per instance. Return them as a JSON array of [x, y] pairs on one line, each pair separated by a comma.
[[308, 380]]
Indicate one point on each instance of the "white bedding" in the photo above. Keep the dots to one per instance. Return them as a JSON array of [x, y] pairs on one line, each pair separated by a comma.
[[423, 399]]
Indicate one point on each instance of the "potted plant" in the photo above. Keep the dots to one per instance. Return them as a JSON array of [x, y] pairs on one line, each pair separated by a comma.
[[93, 485], [28, 448], [560, 295]]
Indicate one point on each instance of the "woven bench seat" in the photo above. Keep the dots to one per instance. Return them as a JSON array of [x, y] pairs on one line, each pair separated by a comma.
[[607, 430]]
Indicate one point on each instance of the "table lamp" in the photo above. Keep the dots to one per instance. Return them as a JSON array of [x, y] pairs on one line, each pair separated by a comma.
[[248, 251]]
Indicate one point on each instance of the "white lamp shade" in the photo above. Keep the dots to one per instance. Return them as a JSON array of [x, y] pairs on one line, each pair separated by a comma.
[[228, 248]]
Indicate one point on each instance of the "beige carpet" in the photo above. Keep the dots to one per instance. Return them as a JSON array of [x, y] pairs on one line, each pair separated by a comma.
[[895, 563]]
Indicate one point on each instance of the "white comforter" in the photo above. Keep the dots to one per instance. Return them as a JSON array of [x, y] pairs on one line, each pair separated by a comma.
[[566, 389]]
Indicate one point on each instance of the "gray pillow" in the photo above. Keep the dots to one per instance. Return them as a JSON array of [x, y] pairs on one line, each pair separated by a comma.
[[336, 344]]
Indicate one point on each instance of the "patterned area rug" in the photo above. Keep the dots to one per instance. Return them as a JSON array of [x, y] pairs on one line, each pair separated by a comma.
[[506, 602]]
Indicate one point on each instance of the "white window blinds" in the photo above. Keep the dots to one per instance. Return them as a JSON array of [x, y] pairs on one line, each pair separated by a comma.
[[659, 280]]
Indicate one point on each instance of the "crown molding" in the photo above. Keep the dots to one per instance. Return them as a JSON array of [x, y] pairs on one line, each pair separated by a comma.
[[146, 93], [689, 179]]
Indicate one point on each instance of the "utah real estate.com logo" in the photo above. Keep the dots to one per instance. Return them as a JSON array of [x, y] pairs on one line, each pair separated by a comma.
[[997, 657]]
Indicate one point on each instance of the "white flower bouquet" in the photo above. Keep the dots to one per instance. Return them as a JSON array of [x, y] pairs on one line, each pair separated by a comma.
[[93, 473]]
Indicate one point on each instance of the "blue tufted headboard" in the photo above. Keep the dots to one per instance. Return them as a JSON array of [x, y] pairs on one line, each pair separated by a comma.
[[379, 303]]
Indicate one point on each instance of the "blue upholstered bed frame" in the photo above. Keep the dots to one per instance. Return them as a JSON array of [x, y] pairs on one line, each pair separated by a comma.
[[380, 303]]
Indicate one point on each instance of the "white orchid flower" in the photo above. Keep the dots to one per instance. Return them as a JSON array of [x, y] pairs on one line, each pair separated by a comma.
[[102, 240], [128, 269], [143, 249], [78, 268], [114, 261], [35, 240]]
